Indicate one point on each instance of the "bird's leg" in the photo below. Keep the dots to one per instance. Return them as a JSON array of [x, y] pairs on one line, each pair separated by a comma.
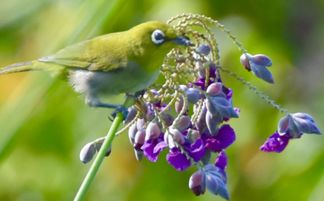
[[95, 102]]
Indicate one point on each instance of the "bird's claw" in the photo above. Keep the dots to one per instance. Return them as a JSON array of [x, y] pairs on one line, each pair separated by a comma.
[[119, 109]]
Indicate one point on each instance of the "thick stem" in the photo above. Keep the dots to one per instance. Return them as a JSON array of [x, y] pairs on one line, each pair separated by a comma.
[[99, 158]]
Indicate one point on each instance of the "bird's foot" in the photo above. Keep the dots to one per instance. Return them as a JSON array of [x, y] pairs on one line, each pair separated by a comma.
[[119, 109]]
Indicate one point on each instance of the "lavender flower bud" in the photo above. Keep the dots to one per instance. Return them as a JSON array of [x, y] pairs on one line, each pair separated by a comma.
[[152, 131], [305, 123], [131, 115], [245, 61], [261, 59], [178, 105], [212, 122], [296, 124], [204, 49], [257, 64], [140, 124], [215, 89], [177, 136], [201, 121], [87, 152], [167, 118], [132, 132], [197, 183], [218, 105], [183, 123], [193, 95], [139, 139]]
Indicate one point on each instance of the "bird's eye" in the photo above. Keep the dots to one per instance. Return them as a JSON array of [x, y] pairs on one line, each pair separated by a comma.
[[158, 37]]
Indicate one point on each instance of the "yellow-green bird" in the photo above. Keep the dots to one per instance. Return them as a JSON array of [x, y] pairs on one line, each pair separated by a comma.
[[122, 62]]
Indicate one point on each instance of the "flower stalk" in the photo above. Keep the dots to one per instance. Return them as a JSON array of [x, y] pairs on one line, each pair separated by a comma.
[[87, 181]]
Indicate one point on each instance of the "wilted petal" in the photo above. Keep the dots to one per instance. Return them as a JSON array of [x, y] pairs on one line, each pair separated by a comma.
[[275, 143], [178, 160], [197, 182]]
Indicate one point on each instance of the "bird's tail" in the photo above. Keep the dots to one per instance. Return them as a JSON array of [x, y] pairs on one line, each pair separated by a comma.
[[32, 66], [19, 67]]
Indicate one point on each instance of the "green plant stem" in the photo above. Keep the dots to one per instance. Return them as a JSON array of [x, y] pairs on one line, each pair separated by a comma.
[[99, 158]]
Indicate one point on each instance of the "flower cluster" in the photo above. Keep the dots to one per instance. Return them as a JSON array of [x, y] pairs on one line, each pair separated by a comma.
[[188, 114]]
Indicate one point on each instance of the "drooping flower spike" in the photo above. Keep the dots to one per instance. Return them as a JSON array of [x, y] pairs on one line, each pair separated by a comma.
[[188, 116]]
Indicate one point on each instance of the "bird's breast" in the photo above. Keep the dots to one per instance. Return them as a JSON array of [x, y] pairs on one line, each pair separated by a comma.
[[129, 79]]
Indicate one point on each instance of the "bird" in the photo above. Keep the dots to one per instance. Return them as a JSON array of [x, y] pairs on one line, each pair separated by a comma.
[[114, 63]]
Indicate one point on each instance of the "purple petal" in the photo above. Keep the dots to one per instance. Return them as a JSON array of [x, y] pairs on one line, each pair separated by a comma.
[[261, 59], [152, 149], [305, 123], [221, 160], [262, 72], [178, 160], [224, 138], [275, 143], [197, 150]]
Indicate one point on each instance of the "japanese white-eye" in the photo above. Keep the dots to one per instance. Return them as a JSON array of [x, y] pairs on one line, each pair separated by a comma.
[[122, 62]]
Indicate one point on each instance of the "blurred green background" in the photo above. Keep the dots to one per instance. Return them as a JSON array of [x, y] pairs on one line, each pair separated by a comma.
[[44, 124]]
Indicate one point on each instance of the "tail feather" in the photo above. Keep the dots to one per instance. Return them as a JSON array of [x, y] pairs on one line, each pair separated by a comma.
[[18, 67]]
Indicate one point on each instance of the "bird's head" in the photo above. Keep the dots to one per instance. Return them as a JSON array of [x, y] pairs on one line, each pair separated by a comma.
[[155, 39]]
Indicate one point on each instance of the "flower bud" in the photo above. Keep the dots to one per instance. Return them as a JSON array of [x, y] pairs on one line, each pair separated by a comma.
[[215, 89], [140, 124], [87, 152], [152, 131], [245, 61], [182, 123], [167, 118], [197, 183], [212, 122], [131, 115], [139, 139], [178, 105], [177, 136], [203, 49], [193, 95], [132, 132]]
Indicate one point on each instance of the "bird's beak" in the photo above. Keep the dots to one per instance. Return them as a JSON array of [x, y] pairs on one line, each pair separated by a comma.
[[182, 40]]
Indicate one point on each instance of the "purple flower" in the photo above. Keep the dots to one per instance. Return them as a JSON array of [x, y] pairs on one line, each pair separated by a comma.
[[197, 150], [221, 160], [178, 160], [224, 138], [296, 124], [257, 64], [152, 149], [275, 143]]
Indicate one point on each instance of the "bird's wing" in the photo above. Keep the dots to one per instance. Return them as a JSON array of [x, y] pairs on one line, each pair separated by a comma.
[[99, 54]]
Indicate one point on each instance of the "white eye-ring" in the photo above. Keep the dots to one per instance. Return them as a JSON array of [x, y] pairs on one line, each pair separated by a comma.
[[158, 37]]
